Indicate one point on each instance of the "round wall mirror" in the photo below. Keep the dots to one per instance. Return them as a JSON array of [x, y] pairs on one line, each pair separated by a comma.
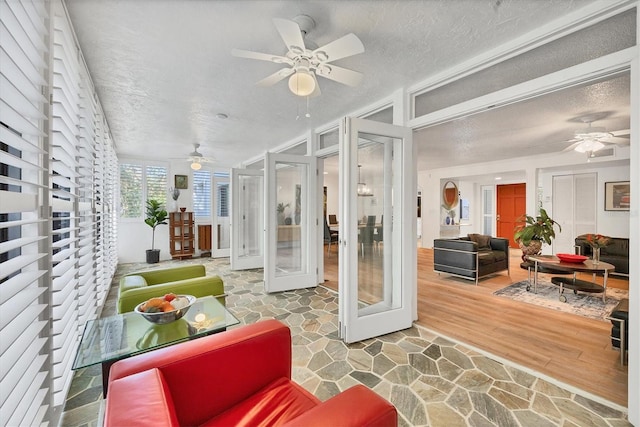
[[450, 195]]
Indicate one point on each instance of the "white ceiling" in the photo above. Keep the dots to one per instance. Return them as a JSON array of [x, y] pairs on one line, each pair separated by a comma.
[[163, 70]]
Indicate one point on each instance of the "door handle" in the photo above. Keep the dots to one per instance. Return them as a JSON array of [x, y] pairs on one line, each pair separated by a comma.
[[497, 217]]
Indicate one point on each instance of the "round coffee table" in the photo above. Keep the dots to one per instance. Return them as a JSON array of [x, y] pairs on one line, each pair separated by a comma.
[[588, 266]]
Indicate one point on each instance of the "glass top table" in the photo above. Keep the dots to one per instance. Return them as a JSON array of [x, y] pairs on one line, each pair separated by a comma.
[[109, 339]]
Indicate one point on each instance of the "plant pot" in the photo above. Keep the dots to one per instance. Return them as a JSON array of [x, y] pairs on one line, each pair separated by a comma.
[[153, 256], [533, 248]]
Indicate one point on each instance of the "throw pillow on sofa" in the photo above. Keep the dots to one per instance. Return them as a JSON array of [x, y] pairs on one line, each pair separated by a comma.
[[481, 239]]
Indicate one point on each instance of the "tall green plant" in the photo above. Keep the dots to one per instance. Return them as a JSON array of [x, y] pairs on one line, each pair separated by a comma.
[[155, 216], [538, 228]]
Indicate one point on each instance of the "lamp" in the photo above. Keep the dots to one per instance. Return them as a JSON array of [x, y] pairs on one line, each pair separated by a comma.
[[196, 165], [589, 145], [363, 190], [301, 82]]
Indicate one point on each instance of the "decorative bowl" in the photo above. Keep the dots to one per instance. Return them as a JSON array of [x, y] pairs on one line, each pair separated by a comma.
[[576, 259], [182, 303]]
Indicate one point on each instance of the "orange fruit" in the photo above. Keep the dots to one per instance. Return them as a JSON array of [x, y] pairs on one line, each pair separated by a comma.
[[166, 306]]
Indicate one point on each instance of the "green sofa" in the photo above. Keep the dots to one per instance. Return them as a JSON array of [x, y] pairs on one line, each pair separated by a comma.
[[139, 286]]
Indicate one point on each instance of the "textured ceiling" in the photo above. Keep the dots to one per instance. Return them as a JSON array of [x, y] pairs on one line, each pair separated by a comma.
[[163, 70]]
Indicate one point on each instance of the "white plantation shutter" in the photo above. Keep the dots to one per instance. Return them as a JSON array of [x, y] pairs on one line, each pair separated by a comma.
[[105, 176], [156, 180], [87, 291], [58, 236], [202, 194], [24, 344], [65, 180]]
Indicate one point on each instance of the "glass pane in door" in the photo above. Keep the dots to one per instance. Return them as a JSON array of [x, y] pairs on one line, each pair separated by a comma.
[[292, 218], [375, 205], [250, 206]]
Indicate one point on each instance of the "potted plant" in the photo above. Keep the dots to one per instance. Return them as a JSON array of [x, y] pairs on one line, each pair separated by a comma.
[[534, 232], [156, 216]]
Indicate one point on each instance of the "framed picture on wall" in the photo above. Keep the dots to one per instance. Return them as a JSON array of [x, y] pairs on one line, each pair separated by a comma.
[[181, 182], [464, 209], [617, 196]]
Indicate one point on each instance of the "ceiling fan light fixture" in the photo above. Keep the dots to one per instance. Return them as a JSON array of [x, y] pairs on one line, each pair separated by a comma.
[[589, 145], [196, 165], [302, 83]]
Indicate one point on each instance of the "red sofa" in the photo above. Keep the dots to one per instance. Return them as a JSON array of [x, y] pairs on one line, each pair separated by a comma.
[[241, 377]]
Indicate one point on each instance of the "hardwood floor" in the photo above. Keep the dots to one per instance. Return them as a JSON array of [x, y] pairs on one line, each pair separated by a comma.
[[573, 349]]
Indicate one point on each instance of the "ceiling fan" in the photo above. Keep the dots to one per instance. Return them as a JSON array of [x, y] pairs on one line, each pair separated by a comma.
[[303, 62], [591, 139], [197, 159]]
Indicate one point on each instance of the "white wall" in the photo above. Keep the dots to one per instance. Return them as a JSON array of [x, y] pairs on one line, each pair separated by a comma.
[[331, 182], [134, 236], [609, 223], [534, 171]]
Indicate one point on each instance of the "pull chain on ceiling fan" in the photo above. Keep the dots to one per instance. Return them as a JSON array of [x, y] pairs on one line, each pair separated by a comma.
[[304, 62]]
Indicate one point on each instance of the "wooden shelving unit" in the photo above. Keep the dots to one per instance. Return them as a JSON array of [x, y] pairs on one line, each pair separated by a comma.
[[181, 235]]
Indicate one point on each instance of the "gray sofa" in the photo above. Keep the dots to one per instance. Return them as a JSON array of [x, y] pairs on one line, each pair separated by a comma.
[[471, 257], [616, 253]]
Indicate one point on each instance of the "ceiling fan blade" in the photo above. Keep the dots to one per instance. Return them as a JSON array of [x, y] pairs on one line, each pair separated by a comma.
[[340, 75], [341, 48], [623, 133], [572, 146], [620, 137], [275, 77], [291, 35], [240, 53]]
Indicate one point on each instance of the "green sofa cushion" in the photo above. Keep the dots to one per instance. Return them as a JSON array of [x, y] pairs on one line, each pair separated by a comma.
[[172, 274], [191, 279]]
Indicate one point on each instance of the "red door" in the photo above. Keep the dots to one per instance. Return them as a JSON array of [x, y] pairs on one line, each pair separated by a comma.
[[511, 204]]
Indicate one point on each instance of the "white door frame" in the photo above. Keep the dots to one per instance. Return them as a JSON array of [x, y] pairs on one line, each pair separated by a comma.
[[238, 218], [355, 324], [275, 280]]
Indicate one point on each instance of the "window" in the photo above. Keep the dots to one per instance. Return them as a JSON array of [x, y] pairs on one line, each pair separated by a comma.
[[130, 190], [202, 194], [137, 180], [223, 199]]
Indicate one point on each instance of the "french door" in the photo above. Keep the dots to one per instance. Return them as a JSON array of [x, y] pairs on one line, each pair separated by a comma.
[[377, 271], [291, 232], [247, 219]]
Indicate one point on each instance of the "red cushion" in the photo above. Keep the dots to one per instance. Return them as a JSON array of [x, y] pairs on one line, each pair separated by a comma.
[[279, 402], [356, 406], [154, 406]]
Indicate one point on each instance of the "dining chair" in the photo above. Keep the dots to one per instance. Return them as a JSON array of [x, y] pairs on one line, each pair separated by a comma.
[[365, 236], [330, 236]]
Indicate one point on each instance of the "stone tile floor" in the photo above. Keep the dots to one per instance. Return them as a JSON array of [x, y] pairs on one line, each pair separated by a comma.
[[432, 381]]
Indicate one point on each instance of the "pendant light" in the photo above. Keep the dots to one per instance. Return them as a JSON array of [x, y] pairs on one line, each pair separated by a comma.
[[363, 189]]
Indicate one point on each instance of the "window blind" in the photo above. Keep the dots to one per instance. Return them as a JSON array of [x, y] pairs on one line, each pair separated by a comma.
[[131, 190], [65, 181], [202, 194], [58, 236], [24, 379]]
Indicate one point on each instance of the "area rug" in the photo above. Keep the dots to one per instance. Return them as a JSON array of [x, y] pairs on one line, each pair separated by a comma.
[[582, 304]]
